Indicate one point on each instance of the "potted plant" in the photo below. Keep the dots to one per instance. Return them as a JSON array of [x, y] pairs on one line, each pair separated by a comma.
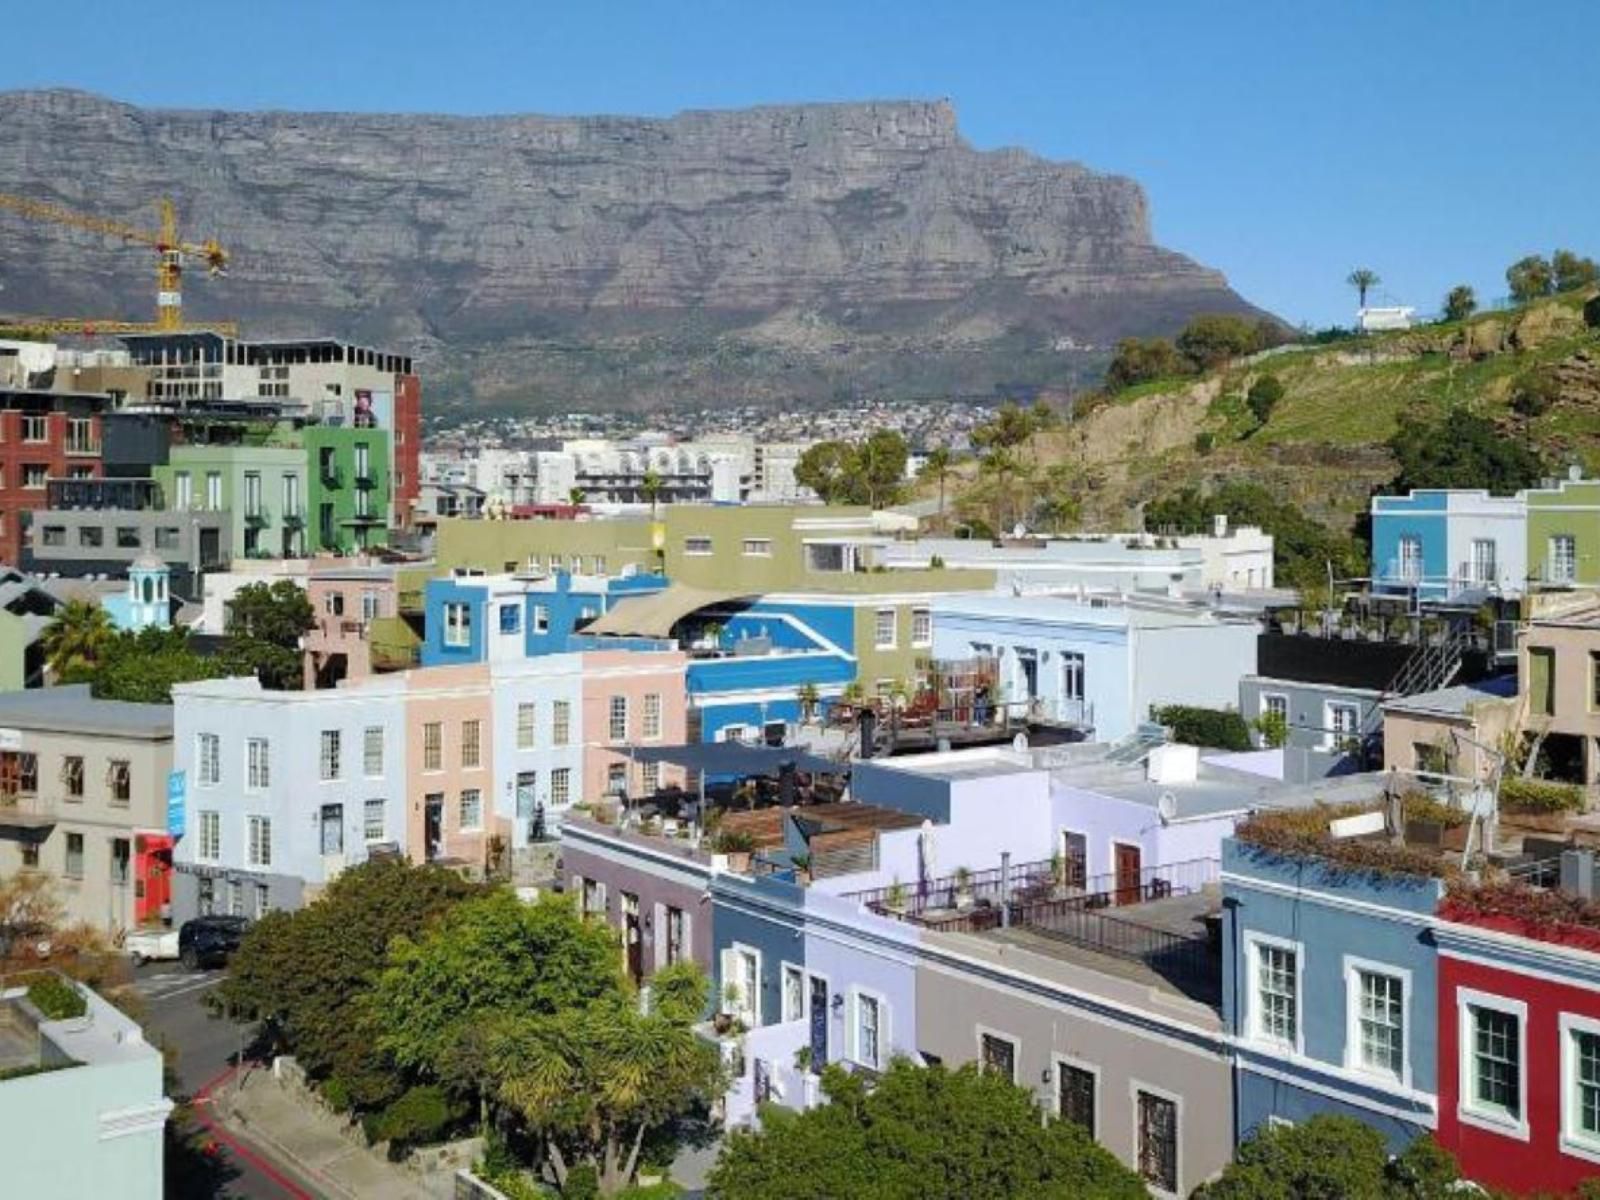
[[726, 1021], [738, 846], [802, 867], [803, 1059], [963, 888], [895, 898]]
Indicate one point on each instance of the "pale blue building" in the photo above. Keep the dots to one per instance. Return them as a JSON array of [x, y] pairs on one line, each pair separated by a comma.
[[1450, 545]]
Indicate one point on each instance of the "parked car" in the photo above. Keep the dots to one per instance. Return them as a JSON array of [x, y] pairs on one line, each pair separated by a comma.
[[151, 945], [209, 941]]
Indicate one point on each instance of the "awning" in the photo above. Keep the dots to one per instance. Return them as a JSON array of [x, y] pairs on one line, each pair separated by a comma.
[[736, 758], [655, 615]]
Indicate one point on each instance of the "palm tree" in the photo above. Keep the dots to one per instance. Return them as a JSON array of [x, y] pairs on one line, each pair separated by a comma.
[[652, 489], [938, 466], [77, 638], [1363, 279]]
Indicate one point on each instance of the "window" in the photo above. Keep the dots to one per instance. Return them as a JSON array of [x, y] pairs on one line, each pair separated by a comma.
[[370, 605], [1563, 558], [472, 743], [650, 778], [594, 898], [527, 716], [54, 535], [291, 495], [617, 779], [166, 537], [91, 536], [35, 429], [921, 627], [19, 772], [329, 760], [510, 619], [127, 537], [372, 751], [618, 730], [33, 475], [30, 855], [208, 759], [363, 461], [206, 895], [119, 780], [1158, 1140], [1275, 1016], [183, 489], [652, 717], [72, 776], [333, 604], [259, 841], [697, 545], [332, 829], [869, 1031], [560, 722], [263, 903], [560, 786], [883, 635], [433, 746], [457, 625], [471, 808], [1075, 1095], [758, 547], [794, 992], [372, 821], [1409, 563], [1491, 1046], [252, 493], [214, 490], [541, 619], [997, 1054], [236, 898], [74, 867], [1343, 724], [677, 929], [1483, 564], [259, 773], [1580, 1073], [210, 832], [1376, 1038]]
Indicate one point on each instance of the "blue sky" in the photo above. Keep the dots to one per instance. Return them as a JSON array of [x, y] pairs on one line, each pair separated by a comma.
[[1281, 142]]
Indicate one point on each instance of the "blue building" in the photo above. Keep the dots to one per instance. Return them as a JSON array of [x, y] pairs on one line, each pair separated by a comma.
[[1329, 990], [479, 618], [1447, 545]]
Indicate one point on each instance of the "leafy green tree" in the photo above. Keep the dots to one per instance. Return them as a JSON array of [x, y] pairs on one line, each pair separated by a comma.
[[1460, 303], [1572, 273], [1210, 341], [937, 467], [919, 1134], [1530, 278], [1461, 450], [1363, 279], [881, 467], [143, 667], [592, 1082], [1591, 312], [1534, 394], [302, 975], [1139, 360], [265, 624], [1273, 728], [575, 496], [76, 640], [870, 472], [490, 955], [652, 487], [825, 468], [1331, 1158], [1263, 397]]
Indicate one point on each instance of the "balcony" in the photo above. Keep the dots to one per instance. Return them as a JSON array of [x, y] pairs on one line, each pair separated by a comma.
[[363, 519], [257, 518], [366, 480], [82, 448], [294, 520], [331, 475], [26, 811]]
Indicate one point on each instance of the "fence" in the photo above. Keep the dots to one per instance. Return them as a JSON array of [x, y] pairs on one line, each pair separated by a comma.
[[1187, 960]]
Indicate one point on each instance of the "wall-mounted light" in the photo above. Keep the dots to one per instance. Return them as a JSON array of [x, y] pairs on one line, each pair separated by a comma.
[[838, 1001]]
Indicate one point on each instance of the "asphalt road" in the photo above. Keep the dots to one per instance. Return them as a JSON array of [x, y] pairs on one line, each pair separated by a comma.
[[206, 1048]]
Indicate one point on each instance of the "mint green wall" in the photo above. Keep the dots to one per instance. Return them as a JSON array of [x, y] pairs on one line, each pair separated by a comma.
[[233, 463]]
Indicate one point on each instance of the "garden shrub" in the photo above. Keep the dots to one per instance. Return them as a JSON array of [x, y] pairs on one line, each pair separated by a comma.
[[57, 999], [1214, 728], [1539, 796]]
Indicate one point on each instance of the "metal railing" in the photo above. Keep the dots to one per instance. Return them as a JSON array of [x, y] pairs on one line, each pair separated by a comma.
[[1189, 961], [1539, 873]]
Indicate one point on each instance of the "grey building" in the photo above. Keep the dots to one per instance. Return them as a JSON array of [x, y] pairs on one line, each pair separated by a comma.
[[1325, 720]]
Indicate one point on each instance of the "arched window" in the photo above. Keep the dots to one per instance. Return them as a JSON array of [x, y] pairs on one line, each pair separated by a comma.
[[149, 590]]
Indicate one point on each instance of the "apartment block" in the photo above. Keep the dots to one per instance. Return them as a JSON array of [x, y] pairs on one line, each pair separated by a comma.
[[43, 435]]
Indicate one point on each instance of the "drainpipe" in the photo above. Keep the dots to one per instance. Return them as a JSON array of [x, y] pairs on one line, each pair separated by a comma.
[[1005, 889]]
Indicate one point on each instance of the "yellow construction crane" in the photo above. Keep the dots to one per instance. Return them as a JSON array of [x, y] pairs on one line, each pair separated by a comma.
[[170, 250]]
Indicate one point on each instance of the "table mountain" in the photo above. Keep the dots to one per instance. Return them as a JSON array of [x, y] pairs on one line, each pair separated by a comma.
[[788, 253]]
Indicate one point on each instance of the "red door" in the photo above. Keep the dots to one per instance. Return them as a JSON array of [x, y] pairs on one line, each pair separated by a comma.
[[152, 877], [1128, 871]]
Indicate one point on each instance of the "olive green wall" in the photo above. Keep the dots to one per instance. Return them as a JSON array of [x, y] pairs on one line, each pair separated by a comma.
[[1573, 508], [490, 545]]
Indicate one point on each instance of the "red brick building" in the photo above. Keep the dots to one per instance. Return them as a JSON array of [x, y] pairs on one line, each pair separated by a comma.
[[407, 483], [43, 435]]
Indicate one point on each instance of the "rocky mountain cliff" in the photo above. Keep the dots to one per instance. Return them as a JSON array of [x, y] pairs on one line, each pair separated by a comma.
[[797, 253]]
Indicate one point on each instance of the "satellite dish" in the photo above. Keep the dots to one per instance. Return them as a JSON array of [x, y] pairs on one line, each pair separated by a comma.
[[1166, 807]]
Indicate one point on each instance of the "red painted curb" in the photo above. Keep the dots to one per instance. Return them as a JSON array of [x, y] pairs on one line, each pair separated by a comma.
[[215, 1129]]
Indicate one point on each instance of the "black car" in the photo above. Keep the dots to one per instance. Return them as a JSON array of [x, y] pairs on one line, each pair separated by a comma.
[[208, 941]]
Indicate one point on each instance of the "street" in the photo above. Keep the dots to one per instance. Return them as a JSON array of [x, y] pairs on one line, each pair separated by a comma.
[[206, 1048]]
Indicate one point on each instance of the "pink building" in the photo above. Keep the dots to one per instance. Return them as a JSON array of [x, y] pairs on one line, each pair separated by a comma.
[[346, 598], [630, 698], [450, 809]]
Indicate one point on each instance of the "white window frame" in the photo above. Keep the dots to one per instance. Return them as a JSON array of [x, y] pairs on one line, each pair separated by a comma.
[[258, 764], [326, 760], [461, 807], [1135, 1086], [560, 722], [367, 755], [697, 547], [1253, 1015], [1467, 1110], [527, 724], [560, 787], [650, 718], [923, 618], [983, 1031], [613, 718], [757, 547], [852, 1038], [1266, 700], [747, 1008], [1330, 735], [457, 624], [1408, 567], [1353, 968], [877, 629], [472, 726], [209, 827], [1575, 1141], [252, 823], [541, 618], [208, 774], [790, 971], [1057, 1063], [366, 819], [1568, 564], [1477, 563]]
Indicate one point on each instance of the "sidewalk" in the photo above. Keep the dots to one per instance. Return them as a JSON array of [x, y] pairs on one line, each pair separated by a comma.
[[309, 1140]]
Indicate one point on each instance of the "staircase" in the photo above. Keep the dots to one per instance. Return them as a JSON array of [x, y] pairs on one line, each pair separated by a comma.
[[1430, 667], [1136, 746]]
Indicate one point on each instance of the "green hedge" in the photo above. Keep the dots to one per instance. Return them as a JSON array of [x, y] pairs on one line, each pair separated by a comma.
[[57, 999], [1214, 728], [1534, 796]]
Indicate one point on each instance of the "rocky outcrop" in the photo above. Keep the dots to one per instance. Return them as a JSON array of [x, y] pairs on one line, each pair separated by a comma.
[[783, 252]]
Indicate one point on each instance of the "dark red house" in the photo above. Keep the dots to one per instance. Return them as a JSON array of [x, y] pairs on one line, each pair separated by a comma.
[[43, 435]]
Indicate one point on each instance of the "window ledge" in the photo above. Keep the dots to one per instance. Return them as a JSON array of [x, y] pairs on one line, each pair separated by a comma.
[[1493, 1123]]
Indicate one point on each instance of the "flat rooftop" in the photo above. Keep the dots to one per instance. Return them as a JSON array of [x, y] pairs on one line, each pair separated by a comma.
[[980, 763], [71, 709]]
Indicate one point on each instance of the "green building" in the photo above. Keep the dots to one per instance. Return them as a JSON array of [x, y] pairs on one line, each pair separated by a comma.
[[348, 487], [599, 547], [1564, 533], [261, 487]]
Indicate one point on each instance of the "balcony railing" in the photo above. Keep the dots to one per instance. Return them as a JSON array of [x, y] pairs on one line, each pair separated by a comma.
[[294, 520], [1188, 960], [257, 518], [332, 476], [82, 448]]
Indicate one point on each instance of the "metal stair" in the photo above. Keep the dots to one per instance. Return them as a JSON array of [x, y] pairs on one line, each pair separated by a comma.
[[1430, 667], [1136, 746]]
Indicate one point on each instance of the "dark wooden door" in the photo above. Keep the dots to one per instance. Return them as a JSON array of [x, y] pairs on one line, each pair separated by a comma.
[[433, 828], [633, 937], [1128, 869], [819, 1023]]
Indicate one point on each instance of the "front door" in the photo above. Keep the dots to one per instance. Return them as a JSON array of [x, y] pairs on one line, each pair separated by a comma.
[[210, 547], [632, 937], [527, 786], [1128, 871], [433, 827], [819, 1023]]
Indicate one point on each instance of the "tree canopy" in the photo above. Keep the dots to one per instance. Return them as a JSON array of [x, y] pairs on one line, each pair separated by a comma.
[[144, 666], [1363, 279], [1332, 1158], [77, 639], [265, 624], [1529, 278], [919, 1134], [1209, 341], [1571, 272], [1139, 360], [1461, 450], [1460, 303], [1263, 397], [871, 471]]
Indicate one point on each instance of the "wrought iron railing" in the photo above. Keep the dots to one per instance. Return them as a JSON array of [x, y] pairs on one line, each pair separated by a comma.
[[1189, 960]]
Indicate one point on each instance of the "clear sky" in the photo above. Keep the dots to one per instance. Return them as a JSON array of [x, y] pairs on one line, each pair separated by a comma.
[[1282, 142]]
